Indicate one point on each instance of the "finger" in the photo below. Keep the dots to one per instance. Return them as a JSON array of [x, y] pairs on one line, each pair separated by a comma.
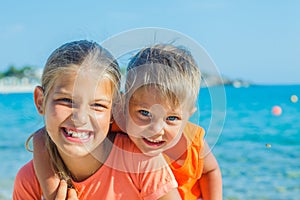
[[72, 195], [62, 190]]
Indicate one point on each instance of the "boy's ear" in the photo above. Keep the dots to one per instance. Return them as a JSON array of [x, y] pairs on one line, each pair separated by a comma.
[[193, 111], [39, 99], [118, 114]]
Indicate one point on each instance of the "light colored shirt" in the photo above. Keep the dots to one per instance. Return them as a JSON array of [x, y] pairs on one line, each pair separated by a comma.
[[126, 174], [188, 175]]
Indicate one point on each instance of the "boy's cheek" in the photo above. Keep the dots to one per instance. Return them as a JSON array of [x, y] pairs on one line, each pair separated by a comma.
[[134, 129]]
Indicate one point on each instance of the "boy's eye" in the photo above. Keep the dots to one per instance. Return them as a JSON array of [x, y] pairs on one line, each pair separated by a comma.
[[145, 113], [97, 105], [172, 118]]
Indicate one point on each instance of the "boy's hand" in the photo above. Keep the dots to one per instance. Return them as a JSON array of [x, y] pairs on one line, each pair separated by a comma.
[[64, 193]]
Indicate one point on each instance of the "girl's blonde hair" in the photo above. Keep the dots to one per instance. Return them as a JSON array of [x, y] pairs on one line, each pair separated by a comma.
[[70, 56], [170, 69]]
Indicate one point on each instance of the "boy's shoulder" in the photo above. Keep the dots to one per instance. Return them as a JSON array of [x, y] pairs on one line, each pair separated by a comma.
[[193, 132]]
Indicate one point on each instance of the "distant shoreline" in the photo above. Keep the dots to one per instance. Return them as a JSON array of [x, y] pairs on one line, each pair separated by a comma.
[[8, 89]]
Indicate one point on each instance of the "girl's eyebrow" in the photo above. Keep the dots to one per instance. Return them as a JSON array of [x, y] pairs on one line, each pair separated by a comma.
[[104, 99], [61, 90], [62, 93]]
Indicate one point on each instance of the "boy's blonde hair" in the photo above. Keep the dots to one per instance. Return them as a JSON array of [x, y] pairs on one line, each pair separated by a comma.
[[172, 70], [72, 56]]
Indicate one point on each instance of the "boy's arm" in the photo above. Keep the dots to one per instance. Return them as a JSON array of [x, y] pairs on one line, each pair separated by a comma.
[[211, 179], [49, 182], [171, 195]]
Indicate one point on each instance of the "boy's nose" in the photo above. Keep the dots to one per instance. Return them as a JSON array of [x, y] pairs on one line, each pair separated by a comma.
[[157, 126], [157, 121], [79, 116]]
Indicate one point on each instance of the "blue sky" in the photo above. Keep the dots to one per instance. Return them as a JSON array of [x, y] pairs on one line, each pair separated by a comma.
[[255, 40]]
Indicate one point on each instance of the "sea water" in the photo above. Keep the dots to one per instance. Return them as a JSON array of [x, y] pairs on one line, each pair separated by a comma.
[[258, 152], [18, 119]]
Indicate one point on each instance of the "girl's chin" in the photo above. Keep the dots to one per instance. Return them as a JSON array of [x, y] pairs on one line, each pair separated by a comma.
[[74, 151]]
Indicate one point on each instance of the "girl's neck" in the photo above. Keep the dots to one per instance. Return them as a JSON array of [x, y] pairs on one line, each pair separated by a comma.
[[83, 167]]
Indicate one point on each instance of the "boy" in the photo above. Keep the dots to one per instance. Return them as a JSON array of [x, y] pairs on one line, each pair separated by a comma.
[[162, 87]]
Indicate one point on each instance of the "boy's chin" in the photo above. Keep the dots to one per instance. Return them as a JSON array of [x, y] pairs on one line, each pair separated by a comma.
[[153, 153]]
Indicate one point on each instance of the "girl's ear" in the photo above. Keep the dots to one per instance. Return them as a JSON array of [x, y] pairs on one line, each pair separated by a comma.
[[39, 99]]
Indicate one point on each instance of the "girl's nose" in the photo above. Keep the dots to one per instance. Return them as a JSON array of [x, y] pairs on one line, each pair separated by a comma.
[[80, 116]]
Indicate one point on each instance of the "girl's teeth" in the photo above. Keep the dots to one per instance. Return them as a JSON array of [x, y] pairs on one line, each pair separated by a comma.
[[81, 135]]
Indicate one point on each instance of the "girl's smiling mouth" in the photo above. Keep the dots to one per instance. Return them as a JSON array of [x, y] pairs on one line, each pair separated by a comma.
[[75, 135]]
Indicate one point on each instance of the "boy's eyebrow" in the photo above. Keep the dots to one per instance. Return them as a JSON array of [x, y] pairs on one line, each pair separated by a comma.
[[175, 113], [138, 103]]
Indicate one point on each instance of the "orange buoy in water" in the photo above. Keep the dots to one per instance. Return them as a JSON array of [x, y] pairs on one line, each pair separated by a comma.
[[276, 110]]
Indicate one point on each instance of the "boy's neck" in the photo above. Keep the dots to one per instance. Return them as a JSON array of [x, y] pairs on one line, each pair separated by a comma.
[[178, 152]]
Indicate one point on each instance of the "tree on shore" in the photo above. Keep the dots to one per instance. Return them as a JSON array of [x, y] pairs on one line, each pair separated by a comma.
[[19, 73]]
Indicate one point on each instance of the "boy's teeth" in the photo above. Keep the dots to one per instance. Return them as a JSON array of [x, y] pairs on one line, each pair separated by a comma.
[[81, 135], [153, 141]]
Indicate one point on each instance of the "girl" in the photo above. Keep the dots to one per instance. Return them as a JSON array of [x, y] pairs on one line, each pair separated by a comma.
[[79, 83]]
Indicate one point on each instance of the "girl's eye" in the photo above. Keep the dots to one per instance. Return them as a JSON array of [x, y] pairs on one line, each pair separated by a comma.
[[99, 106], [65, 100], [172, 118], [145, 113]]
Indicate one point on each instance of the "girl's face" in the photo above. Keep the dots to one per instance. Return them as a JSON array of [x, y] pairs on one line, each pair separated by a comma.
[[78, 112], [151, 123]]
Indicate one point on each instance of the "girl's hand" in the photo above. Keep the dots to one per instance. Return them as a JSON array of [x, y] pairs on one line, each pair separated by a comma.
[[64, 192]]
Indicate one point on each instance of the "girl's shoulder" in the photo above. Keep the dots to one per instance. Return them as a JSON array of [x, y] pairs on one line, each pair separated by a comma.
[[124, 143], [26, 185]]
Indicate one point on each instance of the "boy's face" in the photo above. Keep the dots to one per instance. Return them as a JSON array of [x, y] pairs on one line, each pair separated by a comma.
[[78, 113], [152, 123]]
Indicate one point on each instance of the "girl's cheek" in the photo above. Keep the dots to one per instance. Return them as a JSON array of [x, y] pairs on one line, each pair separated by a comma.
[[101, 115]]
